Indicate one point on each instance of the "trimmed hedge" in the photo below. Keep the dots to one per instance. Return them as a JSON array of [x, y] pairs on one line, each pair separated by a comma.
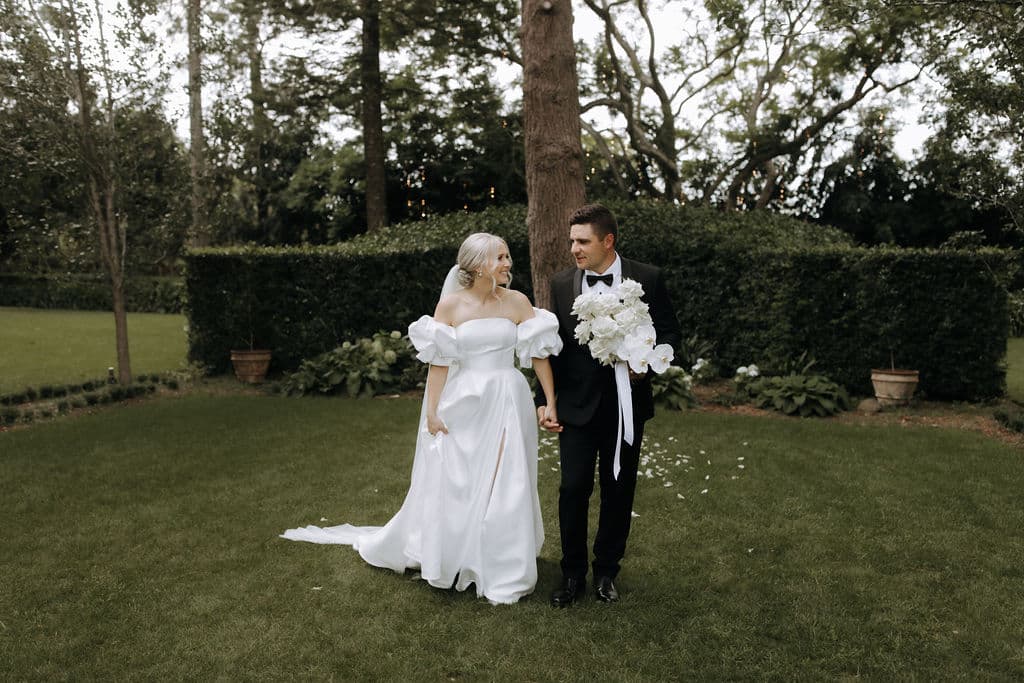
[[91, 292], [758, 285]]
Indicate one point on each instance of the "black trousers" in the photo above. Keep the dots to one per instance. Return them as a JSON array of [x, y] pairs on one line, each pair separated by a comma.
[[581, 447]]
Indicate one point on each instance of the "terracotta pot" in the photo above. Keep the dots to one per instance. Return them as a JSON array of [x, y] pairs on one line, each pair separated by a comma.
[[251, 366], [894, 387]]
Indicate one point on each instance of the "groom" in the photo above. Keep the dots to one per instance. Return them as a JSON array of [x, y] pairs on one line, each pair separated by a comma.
[[588, 410]]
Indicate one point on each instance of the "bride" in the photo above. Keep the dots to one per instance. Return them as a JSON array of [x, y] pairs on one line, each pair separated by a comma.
[[471, 515]]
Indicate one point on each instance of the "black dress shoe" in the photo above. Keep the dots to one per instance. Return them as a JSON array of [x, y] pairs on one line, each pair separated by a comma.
[[604, 589], [569, 592]]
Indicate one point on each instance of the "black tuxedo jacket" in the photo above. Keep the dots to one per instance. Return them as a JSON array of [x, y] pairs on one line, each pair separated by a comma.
[[580, 380]]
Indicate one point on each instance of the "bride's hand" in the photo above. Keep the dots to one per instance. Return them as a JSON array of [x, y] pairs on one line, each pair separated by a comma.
[[549, 418], [435, 425]]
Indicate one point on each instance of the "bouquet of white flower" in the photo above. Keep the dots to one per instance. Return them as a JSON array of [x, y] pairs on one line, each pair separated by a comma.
[[620, 329]]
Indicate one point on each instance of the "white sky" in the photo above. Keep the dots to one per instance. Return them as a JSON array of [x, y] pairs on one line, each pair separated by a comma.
[[908, 140]]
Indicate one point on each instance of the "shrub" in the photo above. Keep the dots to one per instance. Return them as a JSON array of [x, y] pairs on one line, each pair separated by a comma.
[[1016, 307], [91, 292], [803, 395], [1012, 419], [63, 407], [91, 398], [672, 389], [9, 416], [366, 367], [753, 284]]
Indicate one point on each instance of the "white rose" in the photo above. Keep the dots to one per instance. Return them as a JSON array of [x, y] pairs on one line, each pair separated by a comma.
[[627, 318], [583, 331], [631, 290], [604, 327]]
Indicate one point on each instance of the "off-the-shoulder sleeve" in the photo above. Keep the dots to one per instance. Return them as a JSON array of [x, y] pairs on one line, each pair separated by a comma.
[[434, 341], [538, 337]]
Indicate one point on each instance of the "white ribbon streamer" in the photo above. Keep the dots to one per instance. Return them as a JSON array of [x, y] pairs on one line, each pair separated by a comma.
[[625, 431]]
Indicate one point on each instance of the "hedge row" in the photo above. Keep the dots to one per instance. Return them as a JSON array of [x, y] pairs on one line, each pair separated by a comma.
[[760, 286], [91, 292]]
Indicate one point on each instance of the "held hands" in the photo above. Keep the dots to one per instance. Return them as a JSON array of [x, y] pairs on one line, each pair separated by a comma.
[[548, 418], [435, 425]]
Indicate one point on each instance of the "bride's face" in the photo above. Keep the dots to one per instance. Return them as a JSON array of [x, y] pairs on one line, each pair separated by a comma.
[[500, 265]]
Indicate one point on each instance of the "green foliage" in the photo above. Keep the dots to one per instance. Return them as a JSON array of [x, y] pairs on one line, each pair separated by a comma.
[[671, 389], [695, 351], [756, 285], [799, 395], [878, 198], [304, 301], [88, 392], [1016, 306], [91, 292], [366, 367], [1010, 418]]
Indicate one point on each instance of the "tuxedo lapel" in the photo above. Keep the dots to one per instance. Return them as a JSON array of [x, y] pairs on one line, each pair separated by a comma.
[[577, 284], [627, 269]]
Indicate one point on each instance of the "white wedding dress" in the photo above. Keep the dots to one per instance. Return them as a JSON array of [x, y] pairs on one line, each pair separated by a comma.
[[471, 515]]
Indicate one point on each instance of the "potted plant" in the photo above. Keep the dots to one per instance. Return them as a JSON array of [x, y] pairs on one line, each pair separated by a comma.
[[894, 387], [250, 364]]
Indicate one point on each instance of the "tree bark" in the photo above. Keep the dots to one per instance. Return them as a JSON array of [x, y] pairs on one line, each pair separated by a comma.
[[259, 114], [199, 235], [554, 153], [102, 184], [373, 128]]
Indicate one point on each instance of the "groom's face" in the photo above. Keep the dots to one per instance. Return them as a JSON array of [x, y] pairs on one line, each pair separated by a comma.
[[590, 251]]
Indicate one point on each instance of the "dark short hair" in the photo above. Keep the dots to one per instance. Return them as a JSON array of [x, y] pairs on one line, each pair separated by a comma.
[[597, 215]]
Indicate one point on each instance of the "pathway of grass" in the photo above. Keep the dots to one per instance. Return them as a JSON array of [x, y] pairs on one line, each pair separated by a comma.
[[142, 543], [60, 347]]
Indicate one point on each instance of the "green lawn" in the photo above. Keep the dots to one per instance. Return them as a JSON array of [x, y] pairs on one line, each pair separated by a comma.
[[60, 347], [141, 542]]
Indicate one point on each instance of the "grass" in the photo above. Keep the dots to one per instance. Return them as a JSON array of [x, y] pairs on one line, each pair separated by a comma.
[[142, 543], [60, 347]]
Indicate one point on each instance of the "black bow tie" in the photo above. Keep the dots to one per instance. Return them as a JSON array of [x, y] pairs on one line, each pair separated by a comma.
[[594, 279]]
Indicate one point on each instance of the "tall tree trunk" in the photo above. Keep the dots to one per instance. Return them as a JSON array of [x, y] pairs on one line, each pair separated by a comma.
[[199, 235], [260, 124], [373, 128], [102, 184], [554, 153]]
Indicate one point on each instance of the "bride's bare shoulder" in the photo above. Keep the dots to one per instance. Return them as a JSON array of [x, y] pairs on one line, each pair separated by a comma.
[[520, 303], [446, 307]]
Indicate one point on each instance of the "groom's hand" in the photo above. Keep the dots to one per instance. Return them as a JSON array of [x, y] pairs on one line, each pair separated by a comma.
[[547, 419]]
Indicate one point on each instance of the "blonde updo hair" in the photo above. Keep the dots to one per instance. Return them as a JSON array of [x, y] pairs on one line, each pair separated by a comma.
[[478, 253]]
